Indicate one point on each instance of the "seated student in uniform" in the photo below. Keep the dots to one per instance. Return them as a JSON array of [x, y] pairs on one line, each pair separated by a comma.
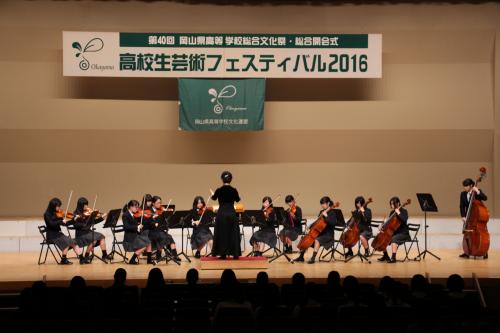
[[84, 236], [158, 235], [324, 239], [402, 234], [267, 232], [135, 239], [364, 225], [201, 233], [293, 227], [54, 217]]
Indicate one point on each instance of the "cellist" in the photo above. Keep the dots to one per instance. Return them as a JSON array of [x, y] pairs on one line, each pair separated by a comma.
[[402, 234], [365, 230], [469, 187], [324, 239]]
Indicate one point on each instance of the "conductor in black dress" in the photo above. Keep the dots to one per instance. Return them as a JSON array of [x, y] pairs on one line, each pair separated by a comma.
[[227, 230]]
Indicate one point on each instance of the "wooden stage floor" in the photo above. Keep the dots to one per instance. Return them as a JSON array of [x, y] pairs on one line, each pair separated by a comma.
[[20, 269]]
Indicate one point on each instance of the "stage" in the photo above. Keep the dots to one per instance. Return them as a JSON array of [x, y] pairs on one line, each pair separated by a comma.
[[20, 269]]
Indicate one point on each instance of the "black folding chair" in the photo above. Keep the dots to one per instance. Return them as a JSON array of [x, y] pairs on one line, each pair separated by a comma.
[[47, 246], [413, 229]]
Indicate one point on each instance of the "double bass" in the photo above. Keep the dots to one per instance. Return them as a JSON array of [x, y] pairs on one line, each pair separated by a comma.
[[383, 238], [476, 241], [350, 236], [315, 229]]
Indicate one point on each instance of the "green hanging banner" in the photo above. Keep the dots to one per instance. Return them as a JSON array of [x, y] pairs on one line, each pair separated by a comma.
[[221, 105]]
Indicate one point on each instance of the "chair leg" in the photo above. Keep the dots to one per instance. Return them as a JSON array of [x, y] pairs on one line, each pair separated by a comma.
[[40, 255], [52, 252]]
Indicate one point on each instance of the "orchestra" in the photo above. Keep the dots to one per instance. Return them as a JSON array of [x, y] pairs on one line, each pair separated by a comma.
[[146, 227]]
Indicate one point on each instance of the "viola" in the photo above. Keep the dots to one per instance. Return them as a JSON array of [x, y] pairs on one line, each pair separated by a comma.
[[315, 229], [64, 215], [383, 238], [476, 240], [350, 236]]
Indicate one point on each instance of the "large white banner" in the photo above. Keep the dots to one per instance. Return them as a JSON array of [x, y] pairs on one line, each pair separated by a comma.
[[211, 55]]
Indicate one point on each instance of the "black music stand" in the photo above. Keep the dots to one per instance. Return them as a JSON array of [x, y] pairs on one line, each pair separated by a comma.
[[178, 220], [427, 204], [163, 225], [281, 217], [111, 223], [253, 218]]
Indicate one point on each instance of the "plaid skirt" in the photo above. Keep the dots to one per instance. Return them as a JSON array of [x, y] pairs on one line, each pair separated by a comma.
[[62, 241], [264, 236], [86, 239], [289, 233], [140, 241]]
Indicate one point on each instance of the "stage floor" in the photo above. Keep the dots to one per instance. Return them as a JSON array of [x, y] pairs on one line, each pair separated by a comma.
[[20, 269]]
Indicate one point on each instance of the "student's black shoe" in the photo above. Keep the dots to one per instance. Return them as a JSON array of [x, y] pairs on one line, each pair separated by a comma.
[[299, 259], [65, 261], [384, 258], [463, 255], [84, 260], [485, 256], [349, 253], [133, 260], [223, 257], [312, 260], [197, 255], [392, 261]]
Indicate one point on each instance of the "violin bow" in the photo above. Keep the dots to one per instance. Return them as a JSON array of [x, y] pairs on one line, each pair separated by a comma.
[[66, 212]]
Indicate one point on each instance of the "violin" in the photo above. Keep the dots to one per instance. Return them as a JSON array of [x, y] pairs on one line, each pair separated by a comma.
[[64, 215], [315, 229], [268, 211], [88, 211], [350, 236], [146, 213], [476, 241], [292, 210], [383, 238]]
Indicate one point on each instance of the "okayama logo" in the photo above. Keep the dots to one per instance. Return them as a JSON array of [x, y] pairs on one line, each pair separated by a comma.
[[226, 92], [93, 45]]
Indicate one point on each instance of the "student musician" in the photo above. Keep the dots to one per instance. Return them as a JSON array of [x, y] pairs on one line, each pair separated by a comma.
[[365, 230], [293, 227], [402, 234], [227, 229], [135, 239], [202, 236], [324, 239], [54, 217], [84, 235], [267, 232], [158, 235], [469, 187]]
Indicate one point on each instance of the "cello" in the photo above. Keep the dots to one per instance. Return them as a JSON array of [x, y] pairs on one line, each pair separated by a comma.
[[476, 241], [383, 238], [350, 236], [315, 229]]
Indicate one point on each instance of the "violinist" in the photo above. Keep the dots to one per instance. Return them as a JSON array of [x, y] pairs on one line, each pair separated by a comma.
[[201, 233], [267, 231], [469, 187], [325, 239], [159, 236], [135, 240], [85, 236], [293, 228], [364, 215], [54, 217], [402, 234]]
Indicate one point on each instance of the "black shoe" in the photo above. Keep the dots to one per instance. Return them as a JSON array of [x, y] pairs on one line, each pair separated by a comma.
[[299, 259], [312, 260], [463, 255], [349, 253], [392, 261], [288, 250], [236, 258], [133, 260], [257, 254], [84, 260], [384, 258], [197, 255], [222, 257], [485, 256], [65, 261]]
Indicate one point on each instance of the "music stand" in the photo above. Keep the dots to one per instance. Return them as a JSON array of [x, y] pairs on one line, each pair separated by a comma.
[[427, 204], [281, 217], [111, 223], [178, 220]]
